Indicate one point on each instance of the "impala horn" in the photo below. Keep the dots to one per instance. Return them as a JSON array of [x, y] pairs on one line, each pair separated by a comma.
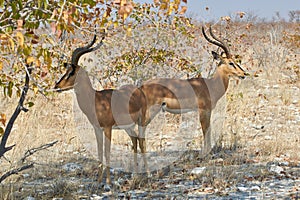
[[77, 53], [217, 41]]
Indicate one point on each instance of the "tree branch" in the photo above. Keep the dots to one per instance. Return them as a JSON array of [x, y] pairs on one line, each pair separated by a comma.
[[26, 155], [15, 171], [19, 108], [34, 150]]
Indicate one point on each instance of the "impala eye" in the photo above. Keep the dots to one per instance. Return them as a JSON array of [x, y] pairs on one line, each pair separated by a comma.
[[69, 74]]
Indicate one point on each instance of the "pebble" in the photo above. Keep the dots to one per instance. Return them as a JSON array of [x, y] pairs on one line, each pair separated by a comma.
[[284, 163], [276, 169], [255, 188], [96, 197], [198, 170], [267, 137], [242, 189], [295, 102]]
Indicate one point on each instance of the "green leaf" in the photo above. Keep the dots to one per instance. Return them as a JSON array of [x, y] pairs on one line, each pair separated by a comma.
[[20, 4], [1, 131], [14, 7], [10, 88], [27, 50], [241, 95], [19, 92], [30, 104]]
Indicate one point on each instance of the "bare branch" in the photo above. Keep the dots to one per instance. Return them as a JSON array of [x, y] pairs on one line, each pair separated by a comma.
[[34, 150], [22, 160], [18, 109], [15, 171]]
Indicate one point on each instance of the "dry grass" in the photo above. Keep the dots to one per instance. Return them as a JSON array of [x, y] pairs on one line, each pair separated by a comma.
[[262, 123]]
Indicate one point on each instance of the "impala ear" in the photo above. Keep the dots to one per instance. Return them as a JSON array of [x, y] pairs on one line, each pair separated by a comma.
[[216, 56]]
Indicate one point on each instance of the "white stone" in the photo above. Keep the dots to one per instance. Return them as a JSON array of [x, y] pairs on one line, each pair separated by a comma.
[[267, 137], [276, 169], [242, 189], [29, 198], [96, 197], [255, 188], [198, 170]]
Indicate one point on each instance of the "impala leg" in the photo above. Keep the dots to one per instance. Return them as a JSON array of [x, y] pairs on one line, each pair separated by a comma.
[[134, 142], [107, 132], [142, 144], [99, 137], [205, 124], [133, 138]]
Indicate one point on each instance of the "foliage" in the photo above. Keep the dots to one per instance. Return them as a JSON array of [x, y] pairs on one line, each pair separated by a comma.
[[132, 63], [36, 31], [2, 123]]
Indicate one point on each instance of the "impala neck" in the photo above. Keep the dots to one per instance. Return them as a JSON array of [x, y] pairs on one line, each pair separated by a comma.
[[218, 86], [85, 95]]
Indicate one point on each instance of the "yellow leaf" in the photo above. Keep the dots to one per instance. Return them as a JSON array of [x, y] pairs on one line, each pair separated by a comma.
[[30, 59], [1, 65], [3, 118], [3, 37], [125, 15], [20, 39], [35, 89], [116, 24], [129, 31], [183, 10], [163, 6], [171, 8], [38, 63], [12, 44]]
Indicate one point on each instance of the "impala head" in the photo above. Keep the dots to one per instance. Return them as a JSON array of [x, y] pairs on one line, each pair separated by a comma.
[[67, 81], [227, 64]]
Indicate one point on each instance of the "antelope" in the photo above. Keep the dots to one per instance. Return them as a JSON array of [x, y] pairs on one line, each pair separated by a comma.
[[106, 109], [184, 95]]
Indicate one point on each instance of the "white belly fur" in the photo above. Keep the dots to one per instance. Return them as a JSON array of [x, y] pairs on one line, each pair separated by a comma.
[[177, 111], [127, 126]]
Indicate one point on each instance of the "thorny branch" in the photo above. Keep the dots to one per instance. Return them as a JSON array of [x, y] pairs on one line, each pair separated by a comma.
[[19, 108], [22, 160], [34, 150], [4, 149], [15, 171]]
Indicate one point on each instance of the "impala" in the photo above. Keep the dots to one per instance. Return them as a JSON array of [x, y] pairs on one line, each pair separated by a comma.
[[106, 109], [184, 95]]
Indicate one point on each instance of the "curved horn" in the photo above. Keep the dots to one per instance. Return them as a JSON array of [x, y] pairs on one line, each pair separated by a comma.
[[224, 45], [77, 53], [218, 42]]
